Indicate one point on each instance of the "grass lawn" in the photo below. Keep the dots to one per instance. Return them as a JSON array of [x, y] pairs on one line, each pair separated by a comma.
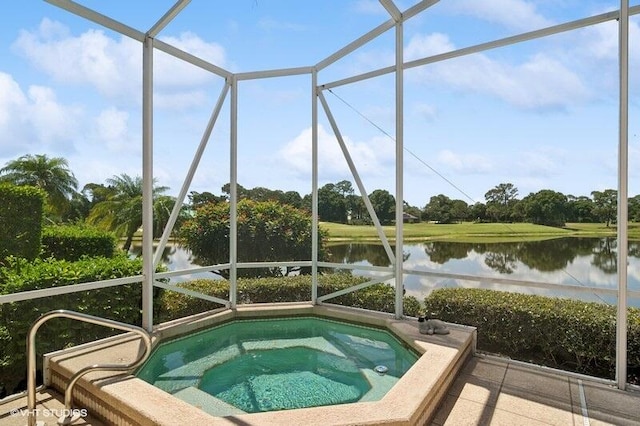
[[470, 232]]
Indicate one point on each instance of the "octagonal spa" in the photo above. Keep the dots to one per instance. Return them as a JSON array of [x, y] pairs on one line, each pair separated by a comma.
[[271, 365]]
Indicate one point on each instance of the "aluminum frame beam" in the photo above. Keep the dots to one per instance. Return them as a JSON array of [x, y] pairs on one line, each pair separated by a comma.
[[119, 27], [380, 29], [532, 35], [623, 194], [167, 17], [233, 194], [399, 279], [355, 287], [314, 187], [281, 72], [393, 10], [189, 178], [356, 176], [192, 293], [148, 269], [192, 59], [98, 18], [356, 44]]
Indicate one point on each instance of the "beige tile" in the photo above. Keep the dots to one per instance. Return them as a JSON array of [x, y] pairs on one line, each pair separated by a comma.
[[607, 400], [49, 406], [606, 419], [549, 411], [486, 369], [462, 412], [578, 420], [505, 418], [536, 384], [476, 389]]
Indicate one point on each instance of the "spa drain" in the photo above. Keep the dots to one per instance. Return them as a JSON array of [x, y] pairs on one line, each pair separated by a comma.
[[381, 369]]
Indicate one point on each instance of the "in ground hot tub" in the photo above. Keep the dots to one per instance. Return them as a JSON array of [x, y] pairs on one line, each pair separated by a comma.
[[257, 365], [129, 400]]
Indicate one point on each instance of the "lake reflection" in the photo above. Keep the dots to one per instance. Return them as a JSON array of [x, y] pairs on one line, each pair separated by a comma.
[[582, 262]]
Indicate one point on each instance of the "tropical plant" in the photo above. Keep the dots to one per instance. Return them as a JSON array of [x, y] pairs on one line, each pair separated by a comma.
[[49, 174], [121, 212]]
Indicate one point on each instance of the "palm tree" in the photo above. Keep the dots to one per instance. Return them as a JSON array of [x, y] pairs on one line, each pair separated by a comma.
[[122, 211], [50, 174]]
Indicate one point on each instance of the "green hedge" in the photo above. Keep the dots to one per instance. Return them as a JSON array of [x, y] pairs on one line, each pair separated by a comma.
[[73, 242], [560, 333], [379, 297], [121, 303], [21, 215]]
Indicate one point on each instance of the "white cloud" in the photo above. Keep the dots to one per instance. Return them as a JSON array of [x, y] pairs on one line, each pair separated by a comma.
[[544, 163], [112, 128], [52, 121], [34, 119], [603, 40], [174, 72], [540, 82], [514, 14], [179, 99], [464, 163], [91, 58], [11, 98], [113, 65], [373, 157], [424, 45]]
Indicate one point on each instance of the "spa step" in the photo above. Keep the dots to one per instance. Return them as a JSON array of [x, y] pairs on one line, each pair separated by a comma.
[[207, 403]]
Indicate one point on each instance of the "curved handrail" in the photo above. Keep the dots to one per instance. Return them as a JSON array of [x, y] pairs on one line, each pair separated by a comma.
[[31, 357]]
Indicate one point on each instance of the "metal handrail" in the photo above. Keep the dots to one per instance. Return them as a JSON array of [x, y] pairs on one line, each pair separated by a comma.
[[31, 358]]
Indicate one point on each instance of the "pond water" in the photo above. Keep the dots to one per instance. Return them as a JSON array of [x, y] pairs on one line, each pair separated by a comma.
[[580, 262]]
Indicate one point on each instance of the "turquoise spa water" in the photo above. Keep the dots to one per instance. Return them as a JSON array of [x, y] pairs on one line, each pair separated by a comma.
[[249, 366]]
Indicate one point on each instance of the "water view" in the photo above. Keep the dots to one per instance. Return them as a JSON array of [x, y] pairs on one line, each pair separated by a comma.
[[587, 264]]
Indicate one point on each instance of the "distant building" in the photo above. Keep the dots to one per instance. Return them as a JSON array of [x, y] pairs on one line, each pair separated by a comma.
[[409, 218]]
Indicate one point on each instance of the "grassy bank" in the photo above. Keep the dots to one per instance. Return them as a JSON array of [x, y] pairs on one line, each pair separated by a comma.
[[470, 232]]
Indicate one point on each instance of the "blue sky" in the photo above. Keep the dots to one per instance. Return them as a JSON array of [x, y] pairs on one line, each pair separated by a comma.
[[541, 115]]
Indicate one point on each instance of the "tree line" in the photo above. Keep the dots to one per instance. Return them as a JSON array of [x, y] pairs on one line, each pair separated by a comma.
[[545, 207], [116, 205]]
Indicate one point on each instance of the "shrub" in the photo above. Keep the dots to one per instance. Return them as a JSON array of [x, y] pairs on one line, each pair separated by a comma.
[[121, 303], [378, 297], [72, 242], [560, 333], [267, 232], [21, 214]]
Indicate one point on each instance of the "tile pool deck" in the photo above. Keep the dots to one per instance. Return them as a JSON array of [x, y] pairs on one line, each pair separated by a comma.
[[483, 392], [497, 392], [487, 392]]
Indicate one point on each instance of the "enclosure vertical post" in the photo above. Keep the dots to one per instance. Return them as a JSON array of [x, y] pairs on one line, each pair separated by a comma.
[[233, 194], [147, 184], [623, 178], [314, 187], [399, 171]]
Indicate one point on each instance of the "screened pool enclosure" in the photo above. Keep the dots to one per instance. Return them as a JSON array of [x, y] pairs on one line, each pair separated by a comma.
[[318, 88]]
